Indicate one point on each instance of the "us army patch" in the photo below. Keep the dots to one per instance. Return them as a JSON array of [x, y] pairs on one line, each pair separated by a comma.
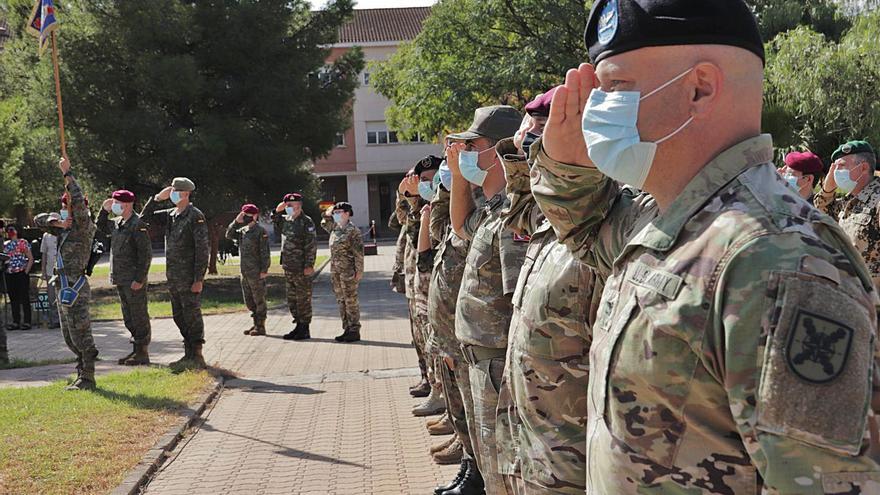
[[818, 347]]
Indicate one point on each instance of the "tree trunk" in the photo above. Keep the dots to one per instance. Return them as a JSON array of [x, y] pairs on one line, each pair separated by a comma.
[[214, 233]]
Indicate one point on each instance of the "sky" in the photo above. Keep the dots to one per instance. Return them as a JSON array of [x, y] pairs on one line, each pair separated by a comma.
[[377, 4]]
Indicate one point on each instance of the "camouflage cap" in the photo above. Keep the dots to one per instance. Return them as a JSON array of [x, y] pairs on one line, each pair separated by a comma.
[[852, 148], [183, 184], [495, 122]]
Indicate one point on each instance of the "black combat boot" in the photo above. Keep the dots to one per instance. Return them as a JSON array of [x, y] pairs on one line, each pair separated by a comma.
[[302, 332], [470, 484], [293, 333], [462, 470], [128, 356]]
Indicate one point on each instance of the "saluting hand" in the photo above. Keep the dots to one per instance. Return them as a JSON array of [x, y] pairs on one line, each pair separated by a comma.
[[452, 157], [164, 194], [563, 138], [64, 164], [107, 204], [281, 206]]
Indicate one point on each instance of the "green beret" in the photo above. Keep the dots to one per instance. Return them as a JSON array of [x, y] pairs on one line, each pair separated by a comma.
[[183, 184], [852, 148]]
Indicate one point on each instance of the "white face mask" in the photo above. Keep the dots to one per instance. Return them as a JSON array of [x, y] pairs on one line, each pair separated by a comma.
[[116, 209], [612, 136], [844, 182]]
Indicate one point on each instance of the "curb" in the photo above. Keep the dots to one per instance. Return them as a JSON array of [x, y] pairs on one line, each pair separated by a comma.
[[139, 475]]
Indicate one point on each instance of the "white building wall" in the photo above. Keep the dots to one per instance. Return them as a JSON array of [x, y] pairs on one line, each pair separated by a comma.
[[358, 197]]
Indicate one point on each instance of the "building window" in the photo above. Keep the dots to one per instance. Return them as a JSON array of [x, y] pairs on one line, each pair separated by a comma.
[[378, 133], [339, 141], [366, 78]]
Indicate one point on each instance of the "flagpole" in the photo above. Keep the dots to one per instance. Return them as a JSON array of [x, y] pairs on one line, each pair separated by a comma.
[[58, 95]]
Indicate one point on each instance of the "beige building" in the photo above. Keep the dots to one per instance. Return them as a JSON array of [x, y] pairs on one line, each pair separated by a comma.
[[370, 159]]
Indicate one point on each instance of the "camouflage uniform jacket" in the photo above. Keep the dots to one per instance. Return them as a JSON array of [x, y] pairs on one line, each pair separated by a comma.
[[346, 248], [131, 251], [253, 247], [859, 216], [733, 345], [187, 247], [75, 243], [547, 366], [483, 311], [298, 247], [446, 276]]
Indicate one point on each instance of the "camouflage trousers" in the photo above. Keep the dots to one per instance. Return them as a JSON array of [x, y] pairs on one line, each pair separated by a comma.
[[186, 308], [135, 314], [346, 289], [299, 295], [454, 392], [76, 328], [253, 289], [485, 381]]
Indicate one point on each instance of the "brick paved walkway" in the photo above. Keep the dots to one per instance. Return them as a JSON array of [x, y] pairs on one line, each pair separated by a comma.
[[314, 417]]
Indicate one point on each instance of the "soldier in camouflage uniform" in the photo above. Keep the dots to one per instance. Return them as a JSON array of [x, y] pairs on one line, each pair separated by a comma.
[[542, 407], [75, 234], [253, 251], [298, 250], [858, 213], [346, 267], [187, 249], [397, 283], [733, 347], [483, 310], [131, 253], [449, 262]]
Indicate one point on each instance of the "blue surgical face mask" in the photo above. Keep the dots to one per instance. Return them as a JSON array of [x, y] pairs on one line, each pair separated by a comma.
[[844, 182], [470, 168], [445, 175], [612, 137], [337, 217], [175, 197], [116, 208], [426, 190], [289, 211], [64, 214]]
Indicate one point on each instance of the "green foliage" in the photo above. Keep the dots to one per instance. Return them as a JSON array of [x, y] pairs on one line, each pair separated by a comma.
[[820, 93], [232, 94], [472, 53], [779, 16]]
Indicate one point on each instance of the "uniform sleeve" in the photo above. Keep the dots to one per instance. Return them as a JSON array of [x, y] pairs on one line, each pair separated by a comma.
[[79, 210], [327, 222], [232, 231], [796, 361], [310, 244], [522, 215], [440, 215], [472, 222], [393, 223], [574, 199], [278, 221], [827, 203], [103, 222], [153, 214], [402, 209], [357, 250], [202, 247], [143, 254], [512, 255], [265, 256]]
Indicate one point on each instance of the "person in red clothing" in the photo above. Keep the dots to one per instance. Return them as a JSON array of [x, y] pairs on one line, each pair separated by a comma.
[[17, 281]]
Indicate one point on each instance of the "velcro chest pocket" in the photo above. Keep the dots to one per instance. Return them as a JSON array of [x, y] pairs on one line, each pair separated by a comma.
[[815, 383]]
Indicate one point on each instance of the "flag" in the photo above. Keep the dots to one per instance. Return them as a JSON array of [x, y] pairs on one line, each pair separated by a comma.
[[42, 22]]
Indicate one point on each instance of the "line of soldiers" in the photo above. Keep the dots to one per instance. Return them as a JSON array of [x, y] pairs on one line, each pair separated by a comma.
[[620, 294], [187, 251]]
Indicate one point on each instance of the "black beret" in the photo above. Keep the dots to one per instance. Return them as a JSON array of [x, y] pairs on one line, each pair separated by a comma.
[[344, 206], [619, 26], [427, 164]]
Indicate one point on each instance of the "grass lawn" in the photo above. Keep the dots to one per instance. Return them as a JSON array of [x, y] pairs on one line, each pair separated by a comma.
[[54, 441], [231, 268], [222, 294], [23, 363]]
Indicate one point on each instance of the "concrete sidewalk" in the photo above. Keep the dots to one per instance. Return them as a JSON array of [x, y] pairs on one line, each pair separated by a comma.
[[313, 417]]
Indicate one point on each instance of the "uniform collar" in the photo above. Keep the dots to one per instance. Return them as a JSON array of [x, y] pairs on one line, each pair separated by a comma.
[[871, 190], [662, 233], [495, 201]]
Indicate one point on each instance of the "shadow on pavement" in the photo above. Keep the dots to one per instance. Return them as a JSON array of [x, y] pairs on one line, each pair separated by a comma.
[[286, 451], [263, 387]]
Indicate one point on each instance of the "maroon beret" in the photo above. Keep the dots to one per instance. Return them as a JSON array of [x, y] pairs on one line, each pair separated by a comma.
[[123, 196], [293, 197], [250, 209], [540, 106], [804, 162], [64, 199]]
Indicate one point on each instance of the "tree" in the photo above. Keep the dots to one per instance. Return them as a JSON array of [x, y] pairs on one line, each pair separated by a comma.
[[820, 93], [472, 53], [234, 94]]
